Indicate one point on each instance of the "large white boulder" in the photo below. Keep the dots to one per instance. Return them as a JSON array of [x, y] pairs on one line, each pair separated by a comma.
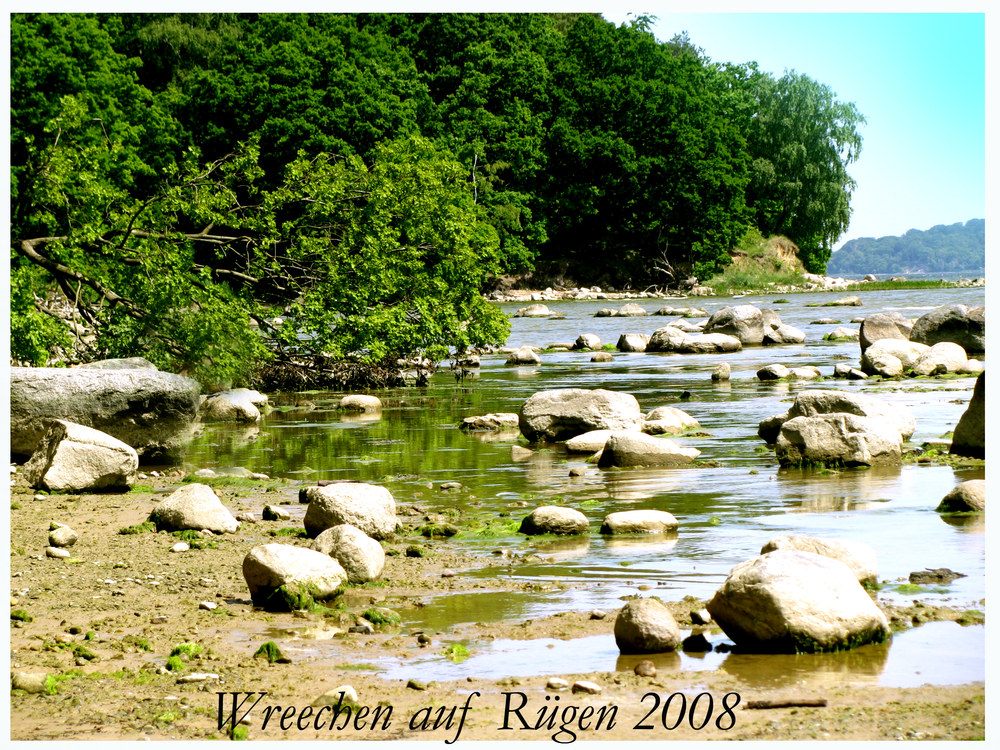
[[632, 342], [822, 401], [553, 519], [859, 557], [838, 440], [792, 601], [361, 556], [367, 506], [629, 448], [875, 359], [74, 458], [646, 626], [744, 322], [564, 413], [639, 522], [588, 442], [194, 506], [943, 357], [299, 570], [231, 406]]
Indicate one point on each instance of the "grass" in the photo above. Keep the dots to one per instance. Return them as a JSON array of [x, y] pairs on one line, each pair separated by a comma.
[[20, 615], [456, 652], [139, 528], [493, 528], [142, 489], [289, 531], [187, 650]]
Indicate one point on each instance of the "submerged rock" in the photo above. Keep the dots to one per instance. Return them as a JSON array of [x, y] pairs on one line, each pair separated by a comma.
[[551, 519], [638, 449], [790, 601], [639, 522]]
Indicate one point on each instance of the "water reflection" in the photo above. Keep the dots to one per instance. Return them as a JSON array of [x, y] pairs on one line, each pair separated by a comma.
[[644, 545], [562, 549]]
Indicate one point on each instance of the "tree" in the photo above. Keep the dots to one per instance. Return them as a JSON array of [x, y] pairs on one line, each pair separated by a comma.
[[801, 140], [361, 263]]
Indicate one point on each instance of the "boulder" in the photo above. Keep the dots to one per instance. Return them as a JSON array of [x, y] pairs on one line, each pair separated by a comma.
[[970, 433], [880, 326], [814, 402], [367, 506], [722, 372], [230, 406], [588, 442], [638, 449], [783, 334], [773, 372], [604, 312], [552, 519], [667, 339], [149, 410], [965, 326], [490, 422], [744, 322], [194, 506], [790, 601], [878, 358], [361, 556], [967, 497], [299, 570], [842, 333], [709, 343], [857, 556], [631, 310], [524, 356], [646, 626], [639, 522], [587, 341], [852, 301], [534, 311], [360, 402], [128, 363], [563, 413], [838, 440], [668, 420], [632, 342], [942, 357], [74, 458]]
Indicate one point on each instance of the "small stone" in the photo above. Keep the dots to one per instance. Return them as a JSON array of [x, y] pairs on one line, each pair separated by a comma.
[[197, 677], [40, 496], [701, 617], [57, 552], [450, 486], [246, 517], [586, 686], [416, 685], [158, 619], [423, 639], [645, 668], [272, 513], [362, 626], [180, 547], [344, 695], [208, 605], [577, 471], [62, 536], [447, 573], [557, 683], [598, 614], [29, 682], [696, 643]]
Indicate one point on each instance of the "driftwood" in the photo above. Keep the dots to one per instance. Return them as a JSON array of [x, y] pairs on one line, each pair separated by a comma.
[[792, 703]]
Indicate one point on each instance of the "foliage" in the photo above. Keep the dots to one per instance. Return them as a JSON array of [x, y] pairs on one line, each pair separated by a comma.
[[958, 247]]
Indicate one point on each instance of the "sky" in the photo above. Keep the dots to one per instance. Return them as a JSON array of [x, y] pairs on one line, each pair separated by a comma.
[[918, 78]]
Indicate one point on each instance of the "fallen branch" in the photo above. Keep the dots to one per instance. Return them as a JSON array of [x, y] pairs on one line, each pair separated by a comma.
[[793, 703]]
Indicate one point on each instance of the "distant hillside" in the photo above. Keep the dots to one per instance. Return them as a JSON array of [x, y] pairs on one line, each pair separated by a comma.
[[959, 247]]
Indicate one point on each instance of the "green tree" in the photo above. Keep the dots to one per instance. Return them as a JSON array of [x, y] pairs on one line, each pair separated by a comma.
[[801, 140]]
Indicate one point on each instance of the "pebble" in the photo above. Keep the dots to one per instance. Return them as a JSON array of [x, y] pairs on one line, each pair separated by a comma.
[[447, 573], [197, 677], [645, 668], [557, 683], [701, 617], [362, 626], [423, 640], [180, 547], [62, 536], [577, 471], [57, 552], [586, 686], [246, 518], [208, 605], [273, 513], [158, 619], [598, 614], [40, 497], [450, 486], [416, 685], [333, 697]]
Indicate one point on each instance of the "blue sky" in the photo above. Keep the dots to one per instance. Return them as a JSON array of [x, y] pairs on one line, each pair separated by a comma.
[[918, 78]]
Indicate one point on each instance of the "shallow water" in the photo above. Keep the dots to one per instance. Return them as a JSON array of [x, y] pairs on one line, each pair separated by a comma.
[[726, 512]]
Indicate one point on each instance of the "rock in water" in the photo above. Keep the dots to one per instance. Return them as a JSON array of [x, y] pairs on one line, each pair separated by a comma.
[[151, 411], [970, 434], [552, 519], [815, 402], [883, 326], [645, 626], [564, 413], [838, 440], [194, 506], [366, 506], [965, 326], [74, 458], [859, 557], [789, 601], [638, 449], [639, 522], [744, 322], [967, 497]]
